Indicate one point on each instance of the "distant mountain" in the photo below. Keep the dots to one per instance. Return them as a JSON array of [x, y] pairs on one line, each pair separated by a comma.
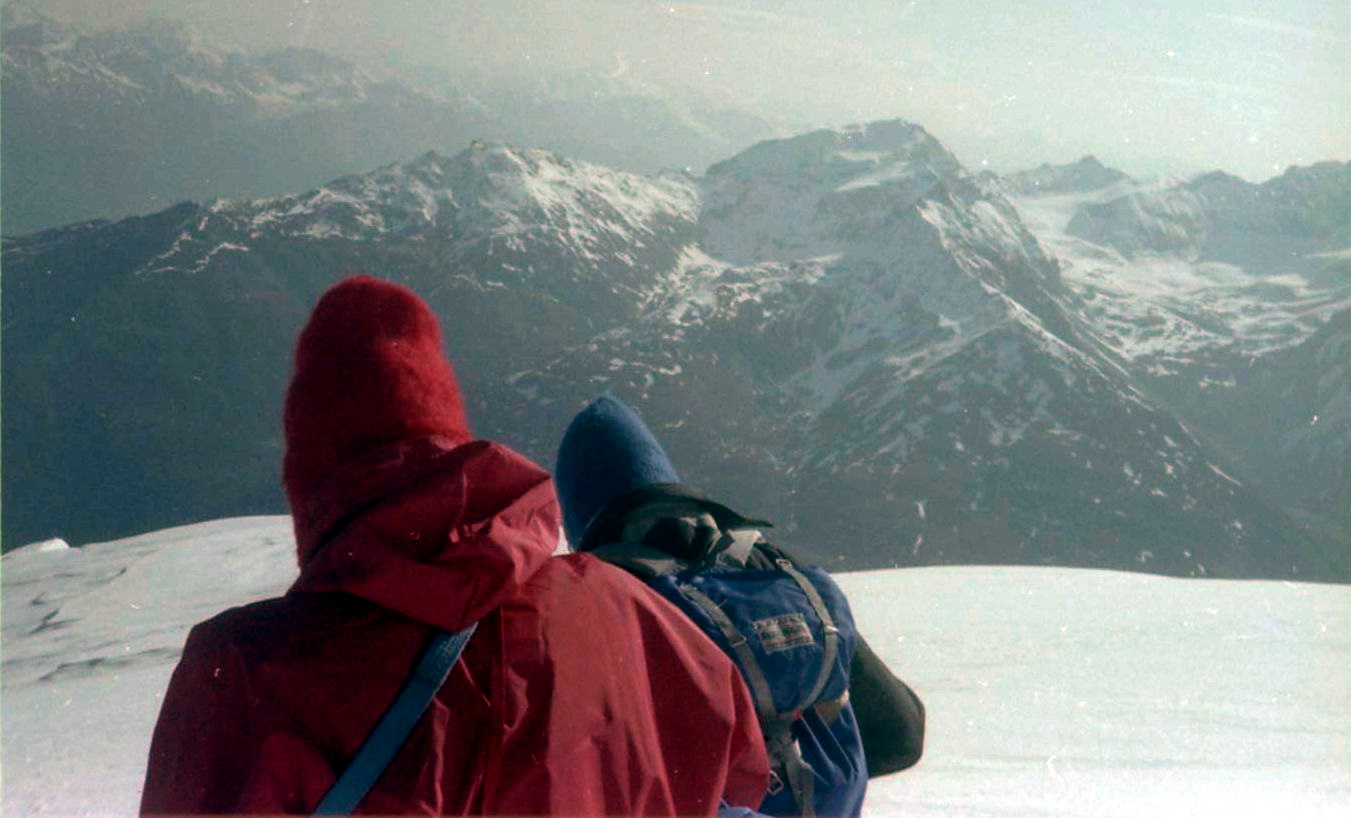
[[1308, 463], [885, 330], [116, 123], [621, 121], [119, 123], [1219, 217], [1228, 303], [843, 331], [1088, 174]]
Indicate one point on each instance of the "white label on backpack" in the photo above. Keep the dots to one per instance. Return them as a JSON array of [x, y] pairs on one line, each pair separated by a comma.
[[783, 632]]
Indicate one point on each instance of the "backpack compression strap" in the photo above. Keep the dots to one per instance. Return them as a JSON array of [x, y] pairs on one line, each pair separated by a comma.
[[778, 727], [780, 744], [832, 631], [392, 730]]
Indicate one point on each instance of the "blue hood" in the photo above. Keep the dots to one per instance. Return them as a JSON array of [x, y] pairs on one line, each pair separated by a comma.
[[606, 452]]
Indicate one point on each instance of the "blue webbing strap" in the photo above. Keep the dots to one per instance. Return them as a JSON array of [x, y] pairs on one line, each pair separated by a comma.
[[393, 728]]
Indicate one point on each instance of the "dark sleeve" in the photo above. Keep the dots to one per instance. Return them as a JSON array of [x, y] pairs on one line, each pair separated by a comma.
[[890, 715]]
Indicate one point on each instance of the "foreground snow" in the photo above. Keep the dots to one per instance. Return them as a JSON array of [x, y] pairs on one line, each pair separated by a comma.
[[1050, 691]]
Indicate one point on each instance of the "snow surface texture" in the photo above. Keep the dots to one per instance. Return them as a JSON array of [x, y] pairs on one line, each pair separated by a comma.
[[1049, 691]]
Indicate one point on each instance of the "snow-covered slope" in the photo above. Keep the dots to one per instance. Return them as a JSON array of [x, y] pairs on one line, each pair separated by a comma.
[[1049, 691], [1227, 301], [523, 208]]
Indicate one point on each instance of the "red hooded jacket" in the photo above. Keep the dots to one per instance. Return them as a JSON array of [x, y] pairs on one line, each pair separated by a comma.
[[581, 693]]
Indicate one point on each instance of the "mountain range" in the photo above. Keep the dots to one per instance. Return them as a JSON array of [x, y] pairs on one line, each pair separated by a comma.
[[844, 331], [124, 122], [1226, 301]]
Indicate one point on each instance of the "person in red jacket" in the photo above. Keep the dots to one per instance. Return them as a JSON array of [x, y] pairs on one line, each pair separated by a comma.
[[580, 693]]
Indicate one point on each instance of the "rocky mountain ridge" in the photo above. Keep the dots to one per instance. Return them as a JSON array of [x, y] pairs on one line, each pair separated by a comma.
[[1221, 298], [844, 331], [1086, 175]]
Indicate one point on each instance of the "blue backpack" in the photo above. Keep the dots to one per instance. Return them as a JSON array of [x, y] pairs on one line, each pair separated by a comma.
[[789, 629]]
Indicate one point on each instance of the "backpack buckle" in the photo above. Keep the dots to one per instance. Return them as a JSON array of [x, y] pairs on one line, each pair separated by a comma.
[[775, 783]]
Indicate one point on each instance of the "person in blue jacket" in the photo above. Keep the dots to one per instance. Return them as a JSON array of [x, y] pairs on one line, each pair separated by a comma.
[[617, 485]]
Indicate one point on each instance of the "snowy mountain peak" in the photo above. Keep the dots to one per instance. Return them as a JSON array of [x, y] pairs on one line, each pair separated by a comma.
[[489, 189], [829, 159], [585, 210], [856, 197], [168, 61], [806, 197]]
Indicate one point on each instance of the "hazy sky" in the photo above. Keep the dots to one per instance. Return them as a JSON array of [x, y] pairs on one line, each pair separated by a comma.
[[1250, 86]]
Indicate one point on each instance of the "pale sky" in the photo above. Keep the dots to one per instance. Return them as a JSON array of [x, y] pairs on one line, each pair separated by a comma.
[[1250, 86]]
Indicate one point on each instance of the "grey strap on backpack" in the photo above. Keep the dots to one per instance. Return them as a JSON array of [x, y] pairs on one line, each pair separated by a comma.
[[780, 743], [782, 746], [394, 726], [735, 548], [832, 631]]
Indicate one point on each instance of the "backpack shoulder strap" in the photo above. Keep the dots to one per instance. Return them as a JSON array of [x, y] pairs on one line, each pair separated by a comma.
[[392, 730], [740, 646], [787, 767], [832, 631]]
